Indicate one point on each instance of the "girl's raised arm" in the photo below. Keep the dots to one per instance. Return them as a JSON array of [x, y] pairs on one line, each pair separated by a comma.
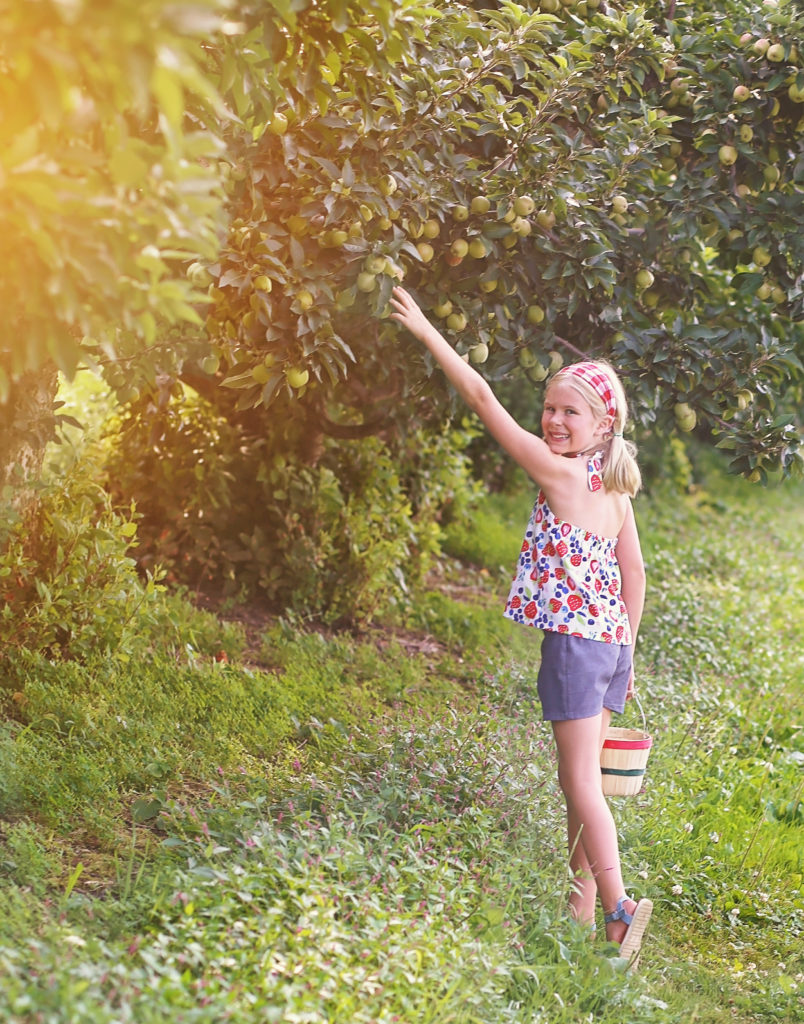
[[527, 449]]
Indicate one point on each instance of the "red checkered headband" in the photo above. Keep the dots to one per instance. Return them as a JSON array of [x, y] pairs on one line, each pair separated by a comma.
[[597, 380]]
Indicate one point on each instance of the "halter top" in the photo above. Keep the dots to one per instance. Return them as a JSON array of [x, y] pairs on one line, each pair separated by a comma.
[[567, 578]]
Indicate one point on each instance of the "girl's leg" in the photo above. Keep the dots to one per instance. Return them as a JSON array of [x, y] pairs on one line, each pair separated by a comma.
[[584, 895], [578, 742]]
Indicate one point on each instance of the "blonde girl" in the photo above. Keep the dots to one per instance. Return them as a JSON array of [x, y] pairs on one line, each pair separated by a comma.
[[580, 579]]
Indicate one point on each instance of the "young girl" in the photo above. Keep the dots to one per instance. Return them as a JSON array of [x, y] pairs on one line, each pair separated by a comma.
[[580, 578]]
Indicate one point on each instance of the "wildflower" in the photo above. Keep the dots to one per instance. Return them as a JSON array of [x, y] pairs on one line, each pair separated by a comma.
[[677, 889], [714, 837]]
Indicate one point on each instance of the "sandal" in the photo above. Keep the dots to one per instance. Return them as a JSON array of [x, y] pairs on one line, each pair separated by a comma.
[[637, 926]]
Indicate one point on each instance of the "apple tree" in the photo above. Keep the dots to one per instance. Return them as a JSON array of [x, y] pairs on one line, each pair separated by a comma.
[[549, 179]]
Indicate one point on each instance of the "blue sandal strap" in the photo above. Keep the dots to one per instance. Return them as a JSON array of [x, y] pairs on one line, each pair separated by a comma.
[[619, 913]]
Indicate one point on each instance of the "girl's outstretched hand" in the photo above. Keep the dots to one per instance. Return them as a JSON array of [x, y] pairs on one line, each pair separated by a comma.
[[407, 312]]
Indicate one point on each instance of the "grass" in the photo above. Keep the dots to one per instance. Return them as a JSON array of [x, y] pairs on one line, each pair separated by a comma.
[[367, 828]]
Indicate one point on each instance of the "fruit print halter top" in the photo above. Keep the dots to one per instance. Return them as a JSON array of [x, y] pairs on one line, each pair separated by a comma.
[[567, 578]]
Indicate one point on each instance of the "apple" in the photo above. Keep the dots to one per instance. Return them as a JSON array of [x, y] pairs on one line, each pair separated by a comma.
[[796, 93], [460, 213], [760, 256], [431, 228], [546, 219], [550, 6], [771, 174], [366, 282], [524, 206], [304, 299], [510, 240], [426, 251], [296, 376], [741, 93], [198, 275], [375, 264], [744, 398], [685, 415], [261, 373], [527, 359], [278, 124], [459, 248], [263, 283], [477, 249], [619, 204], [746, 38], [775, 53], [479, 353], [644, 278], [556, 361], [761, 46], [727, 155], [443, 309], [480, 204], [522, 227], [745, 132], [778, 294], [537, 372], [210, 364], [456, 321], [743, 191], [535, 314], [764, 291], [388, 185], [488, 286]]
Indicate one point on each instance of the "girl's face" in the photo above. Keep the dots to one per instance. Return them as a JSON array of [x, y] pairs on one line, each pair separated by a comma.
[[569, 425]]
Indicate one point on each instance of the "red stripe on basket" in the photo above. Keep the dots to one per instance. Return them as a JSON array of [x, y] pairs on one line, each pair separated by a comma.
[[629, 744]]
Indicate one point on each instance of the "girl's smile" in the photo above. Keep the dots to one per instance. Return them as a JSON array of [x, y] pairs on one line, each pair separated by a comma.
[[568, 424]]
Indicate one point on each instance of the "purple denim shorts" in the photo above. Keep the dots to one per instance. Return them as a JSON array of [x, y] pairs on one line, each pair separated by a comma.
[[579, 677]]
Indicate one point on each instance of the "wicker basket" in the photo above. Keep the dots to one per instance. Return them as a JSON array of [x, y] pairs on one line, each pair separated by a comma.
[[624, 758]]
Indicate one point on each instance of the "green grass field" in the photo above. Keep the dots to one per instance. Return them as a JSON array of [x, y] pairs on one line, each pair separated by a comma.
[[267, 824]]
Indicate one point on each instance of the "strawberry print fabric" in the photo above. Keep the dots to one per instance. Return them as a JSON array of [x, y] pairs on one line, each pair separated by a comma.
[[568, 579]]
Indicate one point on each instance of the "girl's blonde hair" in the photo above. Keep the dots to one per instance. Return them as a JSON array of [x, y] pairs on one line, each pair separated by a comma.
[[620, 470]]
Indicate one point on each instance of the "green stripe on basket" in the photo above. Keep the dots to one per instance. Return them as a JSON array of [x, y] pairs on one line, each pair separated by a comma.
[[623, 771]]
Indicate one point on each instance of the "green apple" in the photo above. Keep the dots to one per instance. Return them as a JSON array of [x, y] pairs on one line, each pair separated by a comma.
[[619, 204], [261, 373], [685, 415], [388, 185], [443, 309], [460, 213], [764, 291], [644, 278], [760, 256], [477, 249], [278, 124], [741, 93], [546, 219], [778, 294], [556, 361], [522, 227], [456, 322], [296, 376], [744, 398], [459, 248], [535, 314], [727, 155], [304, 299], [426, 251], [488, 286], [480, 204], [375, 264], [479, 353], [366, 282], [537, 372], [771, 174], [431, 228], [263, 283], [745, 132], [524, 206], [796, 93], [527, 359], [775, 53], [210, 364]]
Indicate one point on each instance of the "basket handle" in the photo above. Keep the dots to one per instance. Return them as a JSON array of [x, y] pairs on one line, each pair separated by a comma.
[[641, 711]]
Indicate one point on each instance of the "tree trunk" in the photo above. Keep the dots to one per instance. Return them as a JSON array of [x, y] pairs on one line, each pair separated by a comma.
[[27, 423]]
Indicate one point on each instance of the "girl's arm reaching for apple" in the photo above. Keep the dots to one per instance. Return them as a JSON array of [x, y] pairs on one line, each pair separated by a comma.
[[529, 450]]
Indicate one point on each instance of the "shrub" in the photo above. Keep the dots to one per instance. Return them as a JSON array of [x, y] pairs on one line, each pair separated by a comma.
[[333, 531]]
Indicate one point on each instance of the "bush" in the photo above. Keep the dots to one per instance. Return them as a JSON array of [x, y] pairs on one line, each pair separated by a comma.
[[340, 533], [68, 581]]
